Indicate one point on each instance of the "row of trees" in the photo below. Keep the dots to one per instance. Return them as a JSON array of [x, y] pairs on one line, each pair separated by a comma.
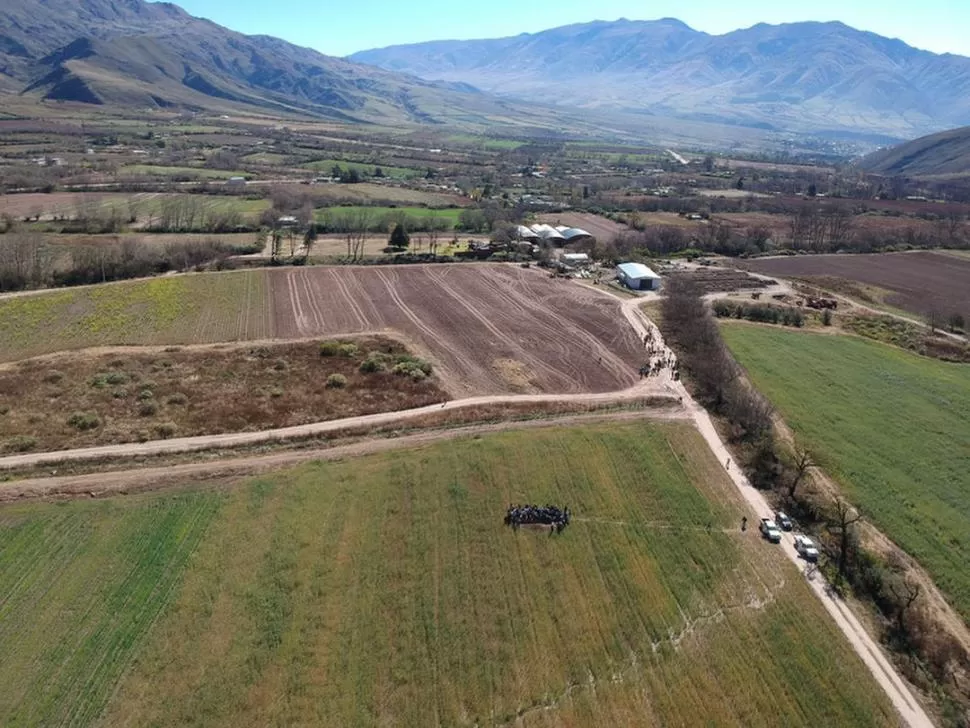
[[27, 261]]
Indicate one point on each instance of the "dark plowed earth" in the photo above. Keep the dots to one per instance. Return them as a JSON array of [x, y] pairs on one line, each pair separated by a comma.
[[477, 322], [919, 281]]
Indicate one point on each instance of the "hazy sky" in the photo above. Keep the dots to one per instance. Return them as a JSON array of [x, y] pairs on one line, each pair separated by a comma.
[[340, 28]]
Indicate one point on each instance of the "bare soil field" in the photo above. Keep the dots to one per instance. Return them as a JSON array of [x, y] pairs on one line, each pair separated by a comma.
[[489, 328], [919, 282], [602, 228], [87, 399], [722, 280]]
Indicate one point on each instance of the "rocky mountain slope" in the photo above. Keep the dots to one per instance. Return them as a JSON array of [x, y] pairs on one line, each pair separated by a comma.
[[814, 77]]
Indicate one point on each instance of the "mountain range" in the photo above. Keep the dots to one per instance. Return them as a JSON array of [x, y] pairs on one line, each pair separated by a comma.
[[809, 77], [138, 54]]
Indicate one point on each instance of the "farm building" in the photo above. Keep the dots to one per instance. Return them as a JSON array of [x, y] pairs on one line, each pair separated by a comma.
[[524, 233], [573, 235], [637, 276], [548, 232]]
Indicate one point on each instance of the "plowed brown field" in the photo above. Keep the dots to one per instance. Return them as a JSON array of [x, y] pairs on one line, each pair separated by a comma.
[[489, 328], [919, 281]]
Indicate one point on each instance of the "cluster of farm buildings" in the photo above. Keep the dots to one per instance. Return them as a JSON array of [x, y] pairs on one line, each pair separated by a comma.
[[635, 276]]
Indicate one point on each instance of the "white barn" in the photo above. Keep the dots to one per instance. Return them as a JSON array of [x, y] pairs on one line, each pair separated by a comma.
[[637, 276]]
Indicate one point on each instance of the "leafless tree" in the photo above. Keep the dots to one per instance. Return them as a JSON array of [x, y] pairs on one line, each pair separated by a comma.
[[904, 596], [801, 464], [845, 517]]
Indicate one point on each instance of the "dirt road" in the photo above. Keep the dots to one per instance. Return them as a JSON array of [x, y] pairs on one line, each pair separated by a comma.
[[646, 388], [102, 484]]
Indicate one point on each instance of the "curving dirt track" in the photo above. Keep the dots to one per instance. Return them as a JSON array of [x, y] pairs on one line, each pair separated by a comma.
[[490, 329]]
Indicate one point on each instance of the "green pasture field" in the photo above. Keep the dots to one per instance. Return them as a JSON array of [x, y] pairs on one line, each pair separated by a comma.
[[158, 170], [326, 165], [199, 308], [892, 427], [498, 145], [386, 590], [449, 215]]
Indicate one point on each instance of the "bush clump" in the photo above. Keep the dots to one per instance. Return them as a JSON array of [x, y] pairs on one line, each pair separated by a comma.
[[147, 408], [178, 398], [21, 443], [145, 394], [83, 421], [372, 364], [336, 381], [53, 377], [410, 366], [329, 348], [166, 429]]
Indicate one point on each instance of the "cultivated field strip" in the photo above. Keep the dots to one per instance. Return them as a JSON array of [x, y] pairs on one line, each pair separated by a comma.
[[81, 587], [385, 590], [471, 319], [172, 310]]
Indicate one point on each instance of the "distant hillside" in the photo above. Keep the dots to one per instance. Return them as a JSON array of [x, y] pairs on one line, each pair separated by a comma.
[[145, 55], [946, 153], [804, 76]]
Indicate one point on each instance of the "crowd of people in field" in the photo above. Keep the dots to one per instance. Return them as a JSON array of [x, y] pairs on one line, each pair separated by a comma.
[[660, 358], [532, 515]]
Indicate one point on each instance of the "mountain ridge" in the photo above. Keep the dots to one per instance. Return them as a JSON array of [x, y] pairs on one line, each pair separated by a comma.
[[135, 53], [809, 76]]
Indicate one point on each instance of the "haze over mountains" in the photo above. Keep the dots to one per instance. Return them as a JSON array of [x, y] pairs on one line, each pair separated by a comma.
[[813, 77], [138, 54]]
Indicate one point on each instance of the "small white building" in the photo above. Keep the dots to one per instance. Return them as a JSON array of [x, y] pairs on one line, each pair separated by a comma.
[[637, 276]]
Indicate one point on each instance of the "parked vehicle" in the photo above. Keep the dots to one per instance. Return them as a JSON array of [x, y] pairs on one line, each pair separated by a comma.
[[770, 531], [783, 521], [806, 548]]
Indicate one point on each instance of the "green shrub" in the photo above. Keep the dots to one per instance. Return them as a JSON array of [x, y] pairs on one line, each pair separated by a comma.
[[21, 443], [120, 394], [147, 408], [178, 398], [349, 350], [371, 365], [84, 421], [116, 378], [4, 409], [276, 392], [336, 381], [279, 365], [145, 394], [407, 365], [329, 348], [165, 429], [53, 376]]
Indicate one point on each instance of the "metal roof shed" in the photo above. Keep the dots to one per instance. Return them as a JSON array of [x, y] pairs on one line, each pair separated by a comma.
[[637, 276]]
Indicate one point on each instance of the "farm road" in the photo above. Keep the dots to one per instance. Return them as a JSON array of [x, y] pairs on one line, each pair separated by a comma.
[[646, 388], [102, 484], [868, 650]]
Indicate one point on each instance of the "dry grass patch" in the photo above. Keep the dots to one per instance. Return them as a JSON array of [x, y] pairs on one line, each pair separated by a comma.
[[72, 401]]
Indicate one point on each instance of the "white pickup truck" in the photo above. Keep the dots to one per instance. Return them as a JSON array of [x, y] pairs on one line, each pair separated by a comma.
[[770, 531], [806, 548]]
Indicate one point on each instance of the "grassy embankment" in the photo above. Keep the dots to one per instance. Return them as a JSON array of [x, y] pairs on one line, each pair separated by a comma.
[[892, 427], [386, 590]]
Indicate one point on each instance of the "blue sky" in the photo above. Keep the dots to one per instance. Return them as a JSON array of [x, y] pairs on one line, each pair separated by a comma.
[[340, 28]]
